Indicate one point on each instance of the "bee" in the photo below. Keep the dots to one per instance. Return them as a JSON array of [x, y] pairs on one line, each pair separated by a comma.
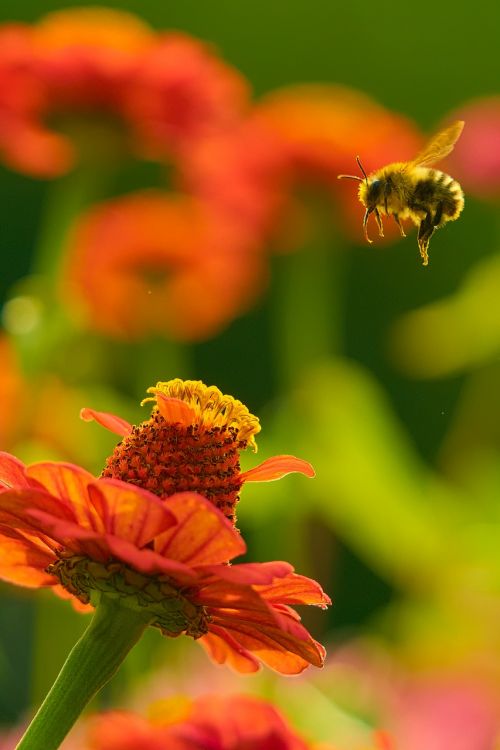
[[412, 190]]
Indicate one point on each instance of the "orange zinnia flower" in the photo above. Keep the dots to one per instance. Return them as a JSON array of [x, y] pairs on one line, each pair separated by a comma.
[[165, 89], [183, 91], [229, 722], [87, 538], [166, 552], [73, 60], [171, 268], [191, 442]]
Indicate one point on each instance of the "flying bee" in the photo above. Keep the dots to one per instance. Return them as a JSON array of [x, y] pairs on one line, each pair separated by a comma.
[[412, 190]]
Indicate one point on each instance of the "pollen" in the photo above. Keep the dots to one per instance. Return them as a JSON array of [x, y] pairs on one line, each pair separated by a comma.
[[191, 443]]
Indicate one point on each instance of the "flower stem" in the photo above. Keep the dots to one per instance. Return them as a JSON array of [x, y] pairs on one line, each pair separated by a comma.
[[95, 658], [306, 311]]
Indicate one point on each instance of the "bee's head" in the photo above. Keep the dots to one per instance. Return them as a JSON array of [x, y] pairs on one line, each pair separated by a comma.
[[369, 189], [370, 192]]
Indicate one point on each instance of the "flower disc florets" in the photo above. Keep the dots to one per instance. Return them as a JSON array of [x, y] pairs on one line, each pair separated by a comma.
[[191, 443]]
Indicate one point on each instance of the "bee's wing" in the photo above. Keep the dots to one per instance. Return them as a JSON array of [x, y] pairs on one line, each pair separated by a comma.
[[439, 146]]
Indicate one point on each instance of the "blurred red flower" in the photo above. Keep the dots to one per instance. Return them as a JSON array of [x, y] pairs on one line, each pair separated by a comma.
[[162, 90], [475, 162], [183, 91], [233, 722], [170, 268], [243, 175]]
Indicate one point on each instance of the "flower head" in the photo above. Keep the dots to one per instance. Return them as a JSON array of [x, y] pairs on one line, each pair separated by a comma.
[[217, 722], [162, 90], [164, 552], [87, 538], [171, 268], [183, 91], [191, 442]]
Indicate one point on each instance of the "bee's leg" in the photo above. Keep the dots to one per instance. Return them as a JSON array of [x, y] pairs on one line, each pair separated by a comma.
[[396, 219], [425, 233], [365, 224], [438, 215], [378, 219], [387, 192]]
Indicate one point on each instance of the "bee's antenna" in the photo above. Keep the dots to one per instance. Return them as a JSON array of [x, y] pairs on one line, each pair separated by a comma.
[[361, 167], [349, 177]]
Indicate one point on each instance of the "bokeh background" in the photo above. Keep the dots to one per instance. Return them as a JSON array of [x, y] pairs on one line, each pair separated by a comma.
[[382, 373]]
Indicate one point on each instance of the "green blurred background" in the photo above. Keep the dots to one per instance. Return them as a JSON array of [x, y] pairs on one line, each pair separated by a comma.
[[381, 527]]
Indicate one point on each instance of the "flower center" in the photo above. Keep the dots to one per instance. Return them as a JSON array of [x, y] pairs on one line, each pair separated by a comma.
[[195, 448], [173, 612]]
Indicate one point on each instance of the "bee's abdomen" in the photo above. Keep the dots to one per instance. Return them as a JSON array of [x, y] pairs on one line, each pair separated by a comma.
[[439, 193]]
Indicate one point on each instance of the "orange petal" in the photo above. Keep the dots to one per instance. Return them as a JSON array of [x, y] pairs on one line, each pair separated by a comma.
[[129, 512], [250, 573], [174, 410], [70, 535], [276, 468], [109, 421], [17, 508], [24, 563], [202, 536], [222, 648], [295, 589], [286, 653], [147, 561], [11, 472], [70, 483], [236, 599]]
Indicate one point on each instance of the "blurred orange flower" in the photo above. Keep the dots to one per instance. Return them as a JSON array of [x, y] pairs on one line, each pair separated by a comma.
[[243, 175], [475, 161], [192, 442], [25, 143], [183, 91], [230, 722], [162, 89], [325, 126], [169, 268]]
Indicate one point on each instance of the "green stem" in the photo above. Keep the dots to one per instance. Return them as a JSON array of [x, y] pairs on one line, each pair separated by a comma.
[[306, 309], [95, 658]]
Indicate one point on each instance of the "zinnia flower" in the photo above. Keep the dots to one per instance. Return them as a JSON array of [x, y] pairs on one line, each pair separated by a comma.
[[161, 91], [171, 268], [229, 722], [182, 92], [166, 553]]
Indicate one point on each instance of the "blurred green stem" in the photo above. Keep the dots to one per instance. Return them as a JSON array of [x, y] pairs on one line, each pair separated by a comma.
[[306, 314], [306, 307], [66, 198], [93, 661]]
